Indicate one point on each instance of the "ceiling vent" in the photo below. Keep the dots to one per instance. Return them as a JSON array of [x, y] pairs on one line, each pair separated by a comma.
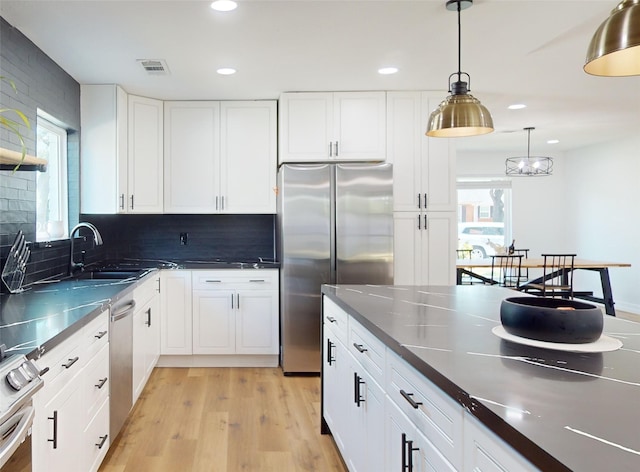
[[154, 66]]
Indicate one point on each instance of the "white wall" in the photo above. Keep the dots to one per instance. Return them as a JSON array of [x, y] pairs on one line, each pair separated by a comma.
[[590, 206]]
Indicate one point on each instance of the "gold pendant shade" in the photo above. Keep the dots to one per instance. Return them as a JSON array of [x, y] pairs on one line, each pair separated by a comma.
[[615, 47], [459, 116]]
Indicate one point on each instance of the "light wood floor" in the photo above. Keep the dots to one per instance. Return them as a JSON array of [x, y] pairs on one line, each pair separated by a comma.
[[225, 419]]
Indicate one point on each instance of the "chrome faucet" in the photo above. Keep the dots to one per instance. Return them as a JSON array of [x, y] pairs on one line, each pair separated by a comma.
[[97, 239]]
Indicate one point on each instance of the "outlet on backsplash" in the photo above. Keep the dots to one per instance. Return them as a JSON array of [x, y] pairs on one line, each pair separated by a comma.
[[184, 239]]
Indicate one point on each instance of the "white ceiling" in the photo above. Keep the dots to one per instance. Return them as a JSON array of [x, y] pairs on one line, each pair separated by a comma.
[[515, 51]]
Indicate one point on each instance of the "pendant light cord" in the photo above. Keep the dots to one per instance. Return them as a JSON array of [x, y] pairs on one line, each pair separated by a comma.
[[459, 44]]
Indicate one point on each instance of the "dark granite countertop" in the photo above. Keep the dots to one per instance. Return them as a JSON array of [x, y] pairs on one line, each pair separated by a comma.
[[191, 264], [45, 314], [561, 410]]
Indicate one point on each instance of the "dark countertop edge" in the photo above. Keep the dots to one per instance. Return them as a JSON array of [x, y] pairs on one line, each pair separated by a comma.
[[72, 329], [518, 441]]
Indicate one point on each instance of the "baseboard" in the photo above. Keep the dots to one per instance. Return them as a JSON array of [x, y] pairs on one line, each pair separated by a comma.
[[219, 361]]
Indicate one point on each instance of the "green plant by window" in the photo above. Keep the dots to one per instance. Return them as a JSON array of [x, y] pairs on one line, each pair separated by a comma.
[[13, 124]]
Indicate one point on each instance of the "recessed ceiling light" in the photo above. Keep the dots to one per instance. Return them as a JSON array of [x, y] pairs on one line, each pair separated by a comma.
[[387, 70], [553, 141], [517, 106], [226, 71], [224, 5]]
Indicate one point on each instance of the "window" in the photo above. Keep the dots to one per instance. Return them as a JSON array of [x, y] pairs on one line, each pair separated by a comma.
[[484, 216], [52, 219]]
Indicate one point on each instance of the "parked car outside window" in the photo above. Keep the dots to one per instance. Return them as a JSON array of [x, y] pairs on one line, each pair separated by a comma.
[[484, 239]]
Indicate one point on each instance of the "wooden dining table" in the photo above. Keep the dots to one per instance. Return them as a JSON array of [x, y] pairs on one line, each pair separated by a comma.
[[467, 266]]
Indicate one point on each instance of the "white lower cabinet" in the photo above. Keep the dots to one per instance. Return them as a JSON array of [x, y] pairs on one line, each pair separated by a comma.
[[71, 425], [232, 318], [146, 332]]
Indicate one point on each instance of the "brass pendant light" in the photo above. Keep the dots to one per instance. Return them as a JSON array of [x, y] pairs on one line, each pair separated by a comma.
[[529, 166], [614, 50], [460, 114]]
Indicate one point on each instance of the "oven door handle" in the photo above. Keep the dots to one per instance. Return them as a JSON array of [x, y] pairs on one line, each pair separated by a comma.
[[20, 423]]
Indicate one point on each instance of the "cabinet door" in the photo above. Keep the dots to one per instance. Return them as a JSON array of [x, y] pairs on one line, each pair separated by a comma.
[[437, 263], [153, 339], [57, 449], [214, 330], [145, 155], [335, 391], [176, 326], [407, 247], [257, 322], [144, 331], [192, 157], [438, 159], [360, 126], [248, 166], [404, 149], [306, 129], [103, 149]]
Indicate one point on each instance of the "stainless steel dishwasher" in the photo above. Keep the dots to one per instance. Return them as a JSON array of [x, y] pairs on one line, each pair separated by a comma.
[[121, 364]]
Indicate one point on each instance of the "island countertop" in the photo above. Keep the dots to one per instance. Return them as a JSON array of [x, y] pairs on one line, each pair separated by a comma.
[[561, 410]]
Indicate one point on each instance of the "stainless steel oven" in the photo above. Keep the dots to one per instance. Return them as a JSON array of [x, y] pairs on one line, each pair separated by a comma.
[[19, 381]]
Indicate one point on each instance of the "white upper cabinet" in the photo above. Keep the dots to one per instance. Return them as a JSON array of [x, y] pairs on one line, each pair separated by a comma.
[[220, 157], [191, 157], [145, 174], [121, 151], [423, 168], [103, 145], [322, 126]]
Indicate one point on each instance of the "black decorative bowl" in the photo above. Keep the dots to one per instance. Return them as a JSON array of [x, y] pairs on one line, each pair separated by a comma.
[[553, 320]]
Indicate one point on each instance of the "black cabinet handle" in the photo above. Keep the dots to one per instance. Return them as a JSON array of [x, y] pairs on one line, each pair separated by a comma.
[[357, 396], [122, 201], [71, 362], [55, 429], [336, 148], [412, 402], [330, 358], [103, 439], [425, 221], [407, 454], [419, 205], [331, 319], [100, 334], [148, 323], [330, 149], [425, 201], [101, 383], [360, 347], [132, 202], [43, 371], [419, 227]]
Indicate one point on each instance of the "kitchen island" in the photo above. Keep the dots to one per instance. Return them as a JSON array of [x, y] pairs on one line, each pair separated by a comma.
[[556, 410]]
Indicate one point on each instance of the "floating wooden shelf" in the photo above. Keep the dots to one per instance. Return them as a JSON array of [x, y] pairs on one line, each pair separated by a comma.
[[10, 159]]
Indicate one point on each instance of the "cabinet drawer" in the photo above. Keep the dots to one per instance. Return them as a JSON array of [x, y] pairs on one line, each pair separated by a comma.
[[65, 360], [335, 319], [368, 350], [95, 382], [438, 417], [96, 334], [261, 279], [96, 440]]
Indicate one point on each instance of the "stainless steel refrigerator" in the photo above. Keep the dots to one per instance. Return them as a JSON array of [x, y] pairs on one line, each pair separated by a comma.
[[335, 226]]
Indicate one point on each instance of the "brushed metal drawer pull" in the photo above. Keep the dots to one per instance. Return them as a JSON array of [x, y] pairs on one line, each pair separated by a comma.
[[412, 402], [101, 383], [256, 280], [103, 439], [100, 334], [71, 362], [54, 418], [360, 347], [212, 281]]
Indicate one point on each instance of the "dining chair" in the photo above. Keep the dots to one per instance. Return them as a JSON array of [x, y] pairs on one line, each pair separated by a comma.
[[524, 271], [557, 276], [506, 270], [465, 254]]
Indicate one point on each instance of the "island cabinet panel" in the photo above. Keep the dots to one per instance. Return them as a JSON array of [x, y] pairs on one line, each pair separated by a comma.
[[485, 452], [176, 326], [325, 126], [72, 408], [146, 332], [220, 157]]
